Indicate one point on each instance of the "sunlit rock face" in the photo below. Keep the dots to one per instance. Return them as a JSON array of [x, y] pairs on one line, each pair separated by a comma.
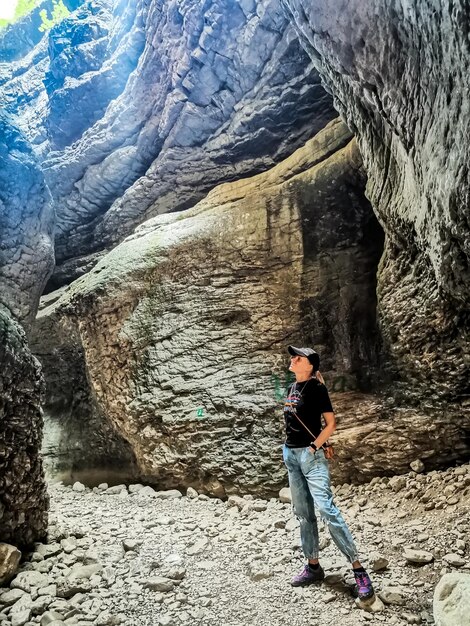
[[149, 105], [26, 224], [26, 261], [18, 39], [183, 327], [399, 75]]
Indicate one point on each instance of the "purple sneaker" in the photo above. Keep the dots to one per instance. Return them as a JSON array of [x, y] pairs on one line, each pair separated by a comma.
[[364, 586], [308, 576]]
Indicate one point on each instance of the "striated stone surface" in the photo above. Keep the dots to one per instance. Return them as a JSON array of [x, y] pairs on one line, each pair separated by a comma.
[[191, 372], [26, 222], [404, 95], [377, 437], [79, 442], [23, 497], [139, 108]]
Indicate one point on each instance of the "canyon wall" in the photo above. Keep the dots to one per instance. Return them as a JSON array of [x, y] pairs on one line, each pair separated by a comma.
[[26, 261], [139, 108], [207, 238], [183, 327], [399, 77]]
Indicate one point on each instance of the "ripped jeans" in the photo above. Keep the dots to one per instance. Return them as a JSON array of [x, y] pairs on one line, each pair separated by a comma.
[[309, 481]]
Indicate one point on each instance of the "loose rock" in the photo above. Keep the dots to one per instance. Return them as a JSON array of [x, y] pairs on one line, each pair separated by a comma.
[[9, 560]]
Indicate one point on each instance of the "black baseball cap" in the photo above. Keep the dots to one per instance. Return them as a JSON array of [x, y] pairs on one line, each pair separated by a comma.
[[311, 355]]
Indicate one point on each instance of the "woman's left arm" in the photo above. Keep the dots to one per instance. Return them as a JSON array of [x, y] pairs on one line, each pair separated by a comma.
[[329, 429]]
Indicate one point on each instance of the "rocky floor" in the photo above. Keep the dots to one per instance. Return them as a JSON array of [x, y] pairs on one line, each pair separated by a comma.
[[137, 557]]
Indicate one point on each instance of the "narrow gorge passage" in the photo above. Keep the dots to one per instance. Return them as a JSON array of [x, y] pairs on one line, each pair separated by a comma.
[[187, 189]]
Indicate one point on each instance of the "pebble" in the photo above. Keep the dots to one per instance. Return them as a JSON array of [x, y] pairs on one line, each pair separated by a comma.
[[392, 595], [417, 557], [159, 583], [285, 495], [373, 605], [79, 487], [378, 562], [417, 466], [454, 559]]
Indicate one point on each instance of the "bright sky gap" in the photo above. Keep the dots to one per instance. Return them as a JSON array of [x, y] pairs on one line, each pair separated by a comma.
[[7, 9]]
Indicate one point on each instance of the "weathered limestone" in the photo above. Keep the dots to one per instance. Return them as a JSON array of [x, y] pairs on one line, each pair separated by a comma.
[[26, 261], [9, 560], [183, 326], [78, 442], [405, 96], [139, 108], [26, 221], [23, 497]]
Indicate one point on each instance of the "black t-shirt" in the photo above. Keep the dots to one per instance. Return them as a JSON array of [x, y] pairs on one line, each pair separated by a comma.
[[309, 400]]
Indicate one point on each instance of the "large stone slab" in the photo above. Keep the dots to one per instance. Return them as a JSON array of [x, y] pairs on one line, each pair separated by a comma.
[[183, 327]]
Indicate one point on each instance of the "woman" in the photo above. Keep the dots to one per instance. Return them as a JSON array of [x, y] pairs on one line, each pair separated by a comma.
[[309, 477]]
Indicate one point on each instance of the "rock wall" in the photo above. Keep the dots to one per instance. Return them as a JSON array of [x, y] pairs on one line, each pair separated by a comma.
[[23, 496], [26, 260], [140, 108], [26, 222], [404, 94], [18, 39], [184, 325], [79, 443]]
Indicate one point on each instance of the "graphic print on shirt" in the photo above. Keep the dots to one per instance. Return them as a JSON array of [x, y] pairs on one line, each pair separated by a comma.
[[290, 407]]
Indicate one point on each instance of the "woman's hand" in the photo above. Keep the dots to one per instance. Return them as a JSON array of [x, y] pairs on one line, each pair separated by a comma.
[[327, 431]]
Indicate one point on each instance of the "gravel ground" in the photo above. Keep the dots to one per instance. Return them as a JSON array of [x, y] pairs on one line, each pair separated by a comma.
[[133, 556]]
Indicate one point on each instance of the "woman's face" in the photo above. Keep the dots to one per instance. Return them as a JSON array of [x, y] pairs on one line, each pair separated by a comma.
[[300, 365]]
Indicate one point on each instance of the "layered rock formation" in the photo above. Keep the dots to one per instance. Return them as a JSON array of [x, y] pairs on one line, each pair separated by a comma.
[[147, 106], [163, 102], [26, 222], [184, 325], [405, 96], [26, 261]]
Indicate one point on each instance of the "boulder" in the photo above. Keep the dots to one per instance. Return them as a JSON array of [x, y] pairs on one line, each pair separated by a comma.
[[451, 602], [9, 560], [126, 317]]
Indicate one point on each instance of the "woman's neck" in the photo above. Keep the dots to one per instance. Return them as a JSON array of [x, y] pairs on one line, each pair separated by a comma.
[[301, 378]]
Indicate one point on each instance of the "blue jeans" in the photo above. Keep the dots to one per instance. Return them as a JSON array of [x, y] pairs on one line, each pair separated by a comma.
[[309, 481]]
